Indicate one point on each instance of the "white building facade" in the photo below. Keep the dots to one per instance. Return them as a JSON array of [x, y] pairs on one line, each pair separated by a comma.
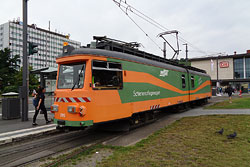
[[225, 70], [50, 44]]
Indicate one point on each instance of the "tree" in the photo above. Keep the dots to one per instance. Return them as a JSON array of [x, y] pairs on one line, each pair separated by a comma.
[[33, 80], [8, 68], [183, 61], [10, 77]]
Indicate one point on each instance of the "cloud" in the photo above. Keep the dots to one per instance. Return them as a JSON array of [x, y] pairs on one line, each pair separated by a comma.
[[211, 26]]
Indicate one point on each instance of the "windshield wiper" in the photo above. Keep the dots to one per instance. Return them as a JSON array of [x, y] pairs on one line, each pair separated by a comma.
[[78, 79]]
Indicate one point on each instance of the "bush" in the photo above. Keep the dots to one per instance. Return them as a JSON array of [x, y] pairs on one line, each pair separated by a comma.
[[10, 89]]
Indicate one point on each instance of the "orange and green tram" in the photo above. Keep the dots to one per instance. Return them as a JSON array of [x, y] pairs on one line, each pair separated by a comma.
[[96, 86]]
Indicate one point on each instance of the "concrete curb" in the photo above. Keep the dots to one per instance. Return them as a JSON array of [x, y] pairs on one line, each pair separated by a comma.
[[9, 137]]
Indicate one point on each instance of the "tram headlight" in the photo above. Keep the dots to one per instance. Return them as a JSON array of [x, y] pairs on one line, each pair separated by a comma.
[[77, 109], [72, 109], [54, 108]]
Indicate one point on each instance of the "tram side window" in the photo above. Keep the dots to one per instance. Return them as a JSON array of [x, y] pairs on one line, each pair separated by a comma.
[[106, 75], [192, 81], [183, 81]]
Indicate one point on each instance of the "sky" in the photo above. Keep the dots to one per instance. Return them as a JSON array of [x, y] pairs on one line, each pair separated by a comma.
[[210, 27]]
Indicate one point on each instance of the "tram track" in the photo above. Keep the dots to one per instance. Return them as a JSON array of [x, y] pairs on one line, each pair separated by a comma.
[[25, 153]]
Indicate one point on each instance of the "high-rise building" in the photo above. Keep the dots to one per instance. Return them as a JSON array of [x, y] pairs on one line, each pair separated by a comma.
[[50, 44]]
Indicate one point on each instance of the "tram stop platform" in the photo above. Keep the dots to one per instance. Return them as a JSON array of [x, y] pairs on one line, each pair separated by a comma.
[[16, 129]]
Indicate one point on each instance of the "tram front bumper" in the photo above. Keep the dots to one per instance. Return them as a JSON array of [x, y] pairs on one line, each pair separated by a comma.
[[73, 123]]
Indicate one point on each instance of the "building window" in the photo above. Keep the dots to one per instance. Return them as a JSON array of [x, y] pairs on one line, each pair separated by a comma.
[[183, 80], [238, 68], [247, 67], [106, 75]]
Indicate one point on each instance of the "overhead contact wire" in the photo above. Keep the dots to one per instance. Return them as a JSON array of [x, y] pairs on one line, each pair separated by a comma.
[[153, 22], [140, 27]]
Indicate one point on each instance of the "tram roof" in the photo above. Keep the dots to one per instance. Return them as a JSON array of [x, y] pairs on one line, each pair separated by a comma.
[[130, 57]]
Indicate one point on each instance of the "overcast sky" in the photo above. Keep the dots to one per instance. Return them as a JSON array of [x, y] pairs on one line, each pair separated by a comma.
[[211, 26]]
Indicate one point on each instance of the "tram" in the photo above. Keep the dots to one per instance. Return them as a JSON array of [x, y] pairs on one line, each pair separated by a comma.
[[115, 81]]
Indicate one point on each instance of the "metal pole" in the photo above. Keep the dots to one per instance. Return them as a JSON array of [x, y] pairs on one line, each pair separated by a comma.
[[186, 52], [217, 81], [25, 106], [164, 50]]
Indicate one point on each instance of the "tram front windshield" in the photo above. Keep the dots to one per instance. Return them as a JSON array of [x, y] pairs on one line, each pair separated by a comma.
[[71, 76]]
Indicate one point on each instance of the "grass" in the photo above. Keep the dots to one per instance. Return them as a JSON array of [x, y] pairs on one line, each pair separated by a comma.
[[190, 142], [239, 103]]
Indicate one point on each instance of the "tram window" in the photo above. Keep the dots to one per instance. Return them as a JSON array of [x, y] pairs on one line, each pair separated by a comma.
[[183, 81], [106, 75], [99, 64], [71, 75], [115, 66], [192, 81]]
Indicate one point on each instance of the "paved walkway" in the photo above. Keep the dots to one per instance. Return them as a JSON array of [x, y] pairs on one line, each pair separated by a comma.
[[17, 124], [15, 128]]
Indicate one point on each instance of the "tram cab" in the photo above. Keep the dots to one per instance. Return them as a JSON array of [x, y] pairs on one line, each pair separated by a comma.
[[82, 80]]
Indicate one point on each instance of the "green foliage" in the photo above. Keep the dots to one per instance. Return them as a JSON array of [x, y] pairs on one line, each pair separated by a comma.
[[8, 69], [33, 80], [12, 88], [183, 61], [10, 77]]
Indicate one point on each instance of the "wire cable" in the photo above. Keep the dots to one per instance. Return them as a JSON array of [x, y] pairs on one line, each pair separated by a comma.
[[123, 4], [125, 12]]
